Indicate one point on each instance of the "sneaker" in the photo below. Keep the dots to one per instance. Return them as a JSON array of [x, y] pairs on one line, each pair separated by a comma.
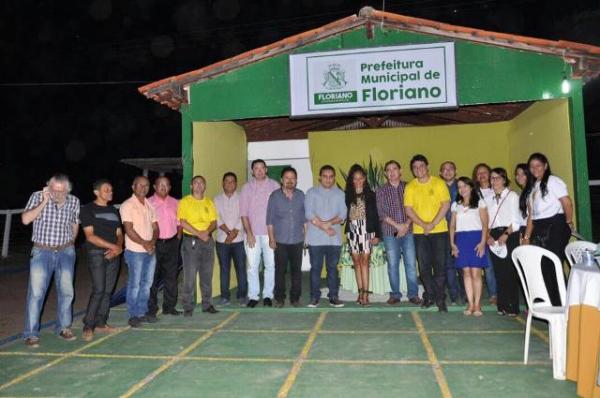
[[88, 334], [67, 334], [224, 302], [336, 303], [106, 328], [313, 303], [415, 300], [33, 342], [267, 302], [134, 322]]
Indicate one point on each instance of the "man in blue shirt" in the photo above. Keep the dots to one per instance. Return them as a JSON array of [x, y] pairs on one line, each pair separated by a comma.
[[286, 228], [325, 209]]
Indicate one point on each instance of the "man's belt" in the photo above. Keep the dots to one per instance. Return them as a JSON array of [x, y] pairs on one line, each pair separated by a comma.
[[168, 239], [53, 248]]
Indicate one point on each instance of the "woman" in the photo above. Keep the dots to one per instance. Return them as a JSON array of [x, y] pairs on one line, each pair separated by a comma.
[[524, 180], [504, 219], [468, 235], [481, 178], [550, 218], [362, 227]]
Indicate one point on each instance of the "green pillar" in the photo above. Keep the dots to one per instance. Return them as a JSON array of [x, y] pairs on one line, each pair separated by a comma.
[[580, 164], [187, 140]]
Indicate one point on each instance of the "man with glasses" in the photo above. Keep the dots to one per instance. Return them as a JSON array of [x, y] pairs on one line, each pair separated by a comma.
[[54, 213]]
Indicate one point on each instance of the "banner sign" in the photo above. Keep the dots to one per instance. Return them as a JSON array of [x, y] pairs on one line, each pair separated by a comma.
[[372, 80]]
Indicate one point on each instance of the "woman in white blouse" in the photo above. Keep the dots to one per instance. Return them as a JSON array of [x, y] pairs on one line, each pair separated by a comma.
[[504, 218], [550, 218], [524, 180], [468, 232]]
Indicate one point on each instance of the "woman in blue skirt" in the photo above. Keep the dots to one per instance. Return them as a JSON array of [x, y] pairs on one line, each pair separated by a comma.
[[468, 234]]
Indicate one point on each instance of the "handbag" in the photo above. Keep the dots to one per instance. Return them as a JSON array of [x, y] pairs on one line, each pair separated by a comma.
[[499, 250]]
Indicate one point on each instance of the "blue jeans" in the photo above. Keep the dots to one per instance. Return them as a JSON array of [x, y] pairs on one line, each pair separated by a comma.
[[331, 255], [141, 275], [225, 253], [490, 278], [405, 247], [43, 264]]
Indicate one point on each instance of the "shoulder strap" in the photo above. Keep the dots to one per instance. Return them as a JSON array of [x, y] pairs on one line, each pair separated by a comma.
[[498, 210]]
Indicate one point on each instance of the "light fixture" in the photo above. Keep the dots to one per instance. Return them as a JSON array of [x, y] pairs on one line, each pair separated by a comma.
[[565, 86]]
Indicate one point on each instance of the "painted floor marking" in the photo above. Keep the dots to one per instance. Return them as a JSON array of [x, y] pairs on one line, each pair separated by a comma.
[[435, 365], [138, 386], [291, 378], [71, 354]]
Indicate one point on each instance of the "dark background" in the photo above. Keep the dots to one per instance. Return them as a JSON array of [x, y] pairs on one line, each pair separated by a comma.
[[69, 71]]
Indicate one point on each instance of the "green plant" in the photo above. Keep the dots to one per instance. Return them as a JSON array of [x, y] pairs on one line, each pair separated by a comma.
[[375, 174]]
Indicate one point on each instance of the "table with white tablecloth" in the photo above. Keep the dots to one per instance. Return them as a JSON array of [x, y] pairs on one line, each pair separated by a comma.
[[583, 329]]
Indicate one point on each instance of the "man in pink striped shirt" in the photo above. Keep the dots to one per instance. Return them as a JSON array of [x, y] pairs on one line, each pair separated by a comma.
[[253, 210], [167, 249]]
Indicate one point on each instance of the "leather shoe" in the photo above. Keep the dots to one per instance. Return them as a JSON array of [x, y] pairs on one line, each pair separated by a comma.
[[415, 300], [187, 314], [148, 318], [426, 303], [393, 301], [267, 302], [442, 307], [211, 310], [252, 303], [173, 312]]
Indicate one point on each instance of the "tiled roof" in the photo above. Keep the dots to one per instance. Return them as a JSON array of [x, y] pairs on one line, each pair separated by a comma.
[[584, 58]]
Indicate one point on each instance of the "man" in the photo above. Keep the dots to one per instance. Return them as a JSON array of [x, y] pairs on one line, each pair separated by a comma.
[[141, 231], [167, 249], [481, 178], [55, 216], [455, 284], [397, 234], [325, 209], [286, 227], [198, 217], [104, 243], [427, 200], [253, 210], [230, 240]]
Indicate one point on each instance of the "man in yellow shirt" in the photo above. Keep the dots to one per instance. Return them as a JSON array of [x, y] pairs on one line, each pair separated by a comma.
[[426, 199], [198, 217]]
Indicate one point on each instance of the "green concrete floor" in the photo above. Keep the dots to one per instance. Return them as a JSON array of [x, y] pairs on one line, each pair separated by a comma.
[[380, 351]]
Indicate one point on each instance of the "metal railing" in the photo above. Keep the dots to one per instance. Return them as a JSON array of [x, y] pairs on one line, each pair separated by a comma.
[[7, 228]]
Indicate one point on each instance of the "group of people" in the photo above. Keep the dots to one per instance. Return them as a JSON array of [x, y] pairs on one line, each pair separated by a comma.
[[446, 223]]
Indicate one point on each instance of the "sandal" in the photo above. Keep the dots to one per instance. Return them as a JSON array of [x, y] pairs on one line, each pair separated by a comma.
[[468, 312], [365, 302], [477, 313], [359, 298]]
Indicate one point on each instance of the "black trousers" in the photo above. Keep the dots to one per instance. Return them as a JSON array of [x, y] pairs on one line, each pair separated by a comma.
[[552, 234], [431, 256], [288, 254], [167, 269], [104, 277], [507, 279]]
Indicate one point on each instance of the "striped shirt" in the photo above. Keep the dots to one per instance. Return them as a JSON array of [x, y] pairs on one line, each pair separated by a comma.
[[54, 225], [390, 203]]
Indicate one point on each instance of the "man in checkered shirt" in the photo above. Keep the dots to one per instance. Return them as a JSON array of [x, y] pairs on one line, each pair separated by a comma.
[[55, 216]]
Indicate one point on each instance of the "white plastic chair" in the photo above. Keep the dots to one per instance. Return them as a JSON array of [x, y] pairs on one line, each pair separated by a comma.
[[574, 251], [528, 262]]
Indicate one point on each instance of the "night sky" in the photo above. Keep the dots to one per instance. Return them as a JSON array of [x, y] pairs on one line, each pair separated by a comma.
[[69, 71]]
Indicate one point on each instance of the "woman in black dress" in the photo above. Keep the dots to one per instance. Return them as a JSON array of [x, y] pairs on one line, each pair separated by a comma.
[[362, 227]]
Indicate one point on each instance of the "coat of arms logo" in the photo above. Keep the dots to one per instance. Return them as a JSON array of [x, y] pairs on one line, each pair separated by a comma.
[[335, 77]]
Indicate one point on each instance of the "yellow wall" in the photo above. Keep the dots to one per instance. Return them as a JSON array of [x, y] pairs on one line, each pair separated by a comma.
[[466, 145], [219, 147], [544, 127]]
